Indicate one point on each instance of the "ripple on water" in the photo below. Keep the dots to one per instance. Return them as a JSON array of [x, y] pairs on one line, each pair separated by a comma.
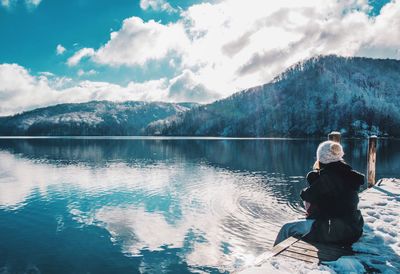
[[218, 218]]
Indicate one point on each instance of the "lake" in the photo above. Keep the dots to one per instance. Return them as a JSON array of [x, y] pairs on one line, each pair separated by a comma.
[[131, 205]]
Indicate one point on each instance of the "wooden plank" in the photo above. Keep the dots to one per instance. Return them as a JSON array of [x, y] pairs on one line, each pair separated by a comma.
[[323, 245], [310, 255], [321, 254], [327, 248], [312, 261], [299, 256], [310, 252], [325, 253], [275, 251], [295, 257], [283, 245]]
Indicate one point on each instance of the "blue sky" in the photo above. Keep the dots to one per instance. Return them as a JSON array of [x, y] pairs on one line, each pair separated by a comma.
[[34, 32], [80, 50]]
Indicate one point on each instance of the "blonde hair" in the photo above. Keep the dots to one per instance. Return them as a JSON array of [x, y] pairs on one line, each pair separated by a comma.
[[316, 165]]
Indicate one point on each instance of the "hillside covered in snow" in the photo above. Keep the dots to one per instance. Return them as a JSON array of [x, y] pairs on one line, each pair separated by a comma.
[[92, 118], [357, 96]]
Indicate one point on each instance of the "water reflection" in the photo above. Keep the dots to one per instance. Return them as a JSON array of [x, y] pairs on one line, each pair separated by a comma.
[[165, 204]]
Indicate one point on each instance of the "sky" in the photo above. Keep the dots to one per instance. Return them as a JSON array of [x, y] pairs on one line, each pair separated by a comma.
[[68, 51]]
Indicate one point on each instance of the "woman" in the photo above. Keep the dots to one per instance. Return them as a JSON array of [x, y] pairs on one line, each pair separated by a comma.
[[332, 216]]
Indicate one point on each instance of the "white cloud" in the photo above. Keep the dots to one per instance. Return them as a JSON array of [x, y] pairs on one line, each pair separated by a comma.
[[157, 5], [383, 41], [47, 73], [239, 44], [134, 227], [231, 45], [5, 3], [60, 49], [33, 3], [30, 4], [79, 55], [186, 87], [21, 91], [82, 72], [138, 42], [215, 49]]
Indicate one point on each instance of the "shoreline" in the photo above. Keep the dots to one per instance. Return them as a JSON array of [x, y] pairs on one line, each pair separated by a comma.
[[139, 137]]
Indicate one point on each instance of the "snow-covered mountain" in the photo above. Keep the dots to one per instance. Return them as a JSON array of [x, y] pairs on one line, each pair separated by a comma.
[[357, 96], [92, 118]]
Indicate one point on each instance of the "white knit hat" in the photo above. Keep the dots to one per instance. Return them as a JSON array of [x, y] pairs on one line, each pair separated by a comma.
[[329, 152]]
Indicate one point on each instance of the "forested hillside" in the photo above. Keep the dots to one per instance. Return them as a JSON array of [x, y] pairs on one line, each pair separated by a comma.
[[92, 118], [357, 96]]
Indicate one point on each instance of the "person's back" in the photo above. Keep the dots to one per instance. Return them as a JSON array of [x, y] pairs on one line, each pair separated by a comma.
[[334, 194], [331, 201]]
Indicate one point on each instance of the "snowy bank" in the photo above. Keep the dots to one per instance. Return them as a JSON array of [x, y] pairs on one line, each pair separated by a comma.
[[378, 249]]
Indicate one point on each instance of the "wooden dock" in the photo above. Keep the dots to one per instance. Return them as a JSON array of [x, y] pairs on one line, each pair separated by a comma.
[[300, 250], [384, 199], [310, 252]]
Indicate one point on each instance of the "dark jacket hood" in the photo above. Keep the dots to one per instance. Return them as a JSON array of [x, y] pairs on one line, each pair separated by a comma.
[[354, 178]]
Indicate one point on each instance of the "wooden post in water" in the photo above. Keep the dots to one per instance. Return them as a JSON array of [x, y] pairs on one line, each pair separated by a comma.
[[371, 160], [334, 136]]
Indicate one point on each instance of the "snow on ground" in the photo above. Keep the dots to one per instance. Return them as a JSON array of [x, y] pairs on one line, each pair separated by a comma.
[[378, 250]]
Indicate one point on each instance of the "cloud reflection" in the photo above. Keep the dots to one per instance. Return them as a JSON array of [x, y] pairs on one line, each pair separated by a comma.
[[216, 216]]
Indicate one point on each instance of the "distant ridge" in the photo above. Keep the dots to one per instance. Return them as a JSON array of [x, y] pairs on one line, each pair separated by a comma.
[[91, 118], [358, 96]]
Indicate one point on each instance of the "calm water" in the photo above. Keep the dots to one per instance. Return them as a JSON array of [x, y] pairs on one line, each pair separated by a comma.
[[151, 206]]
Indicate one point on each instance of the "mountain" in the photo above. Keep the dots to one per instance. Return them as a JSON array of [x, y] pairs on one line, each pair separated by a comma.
[[92, 118], [356, 96]]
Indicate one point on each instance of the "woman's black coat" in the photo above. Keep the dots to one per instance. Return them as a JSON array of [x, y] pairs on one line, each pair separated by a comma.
[[333, 194]]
